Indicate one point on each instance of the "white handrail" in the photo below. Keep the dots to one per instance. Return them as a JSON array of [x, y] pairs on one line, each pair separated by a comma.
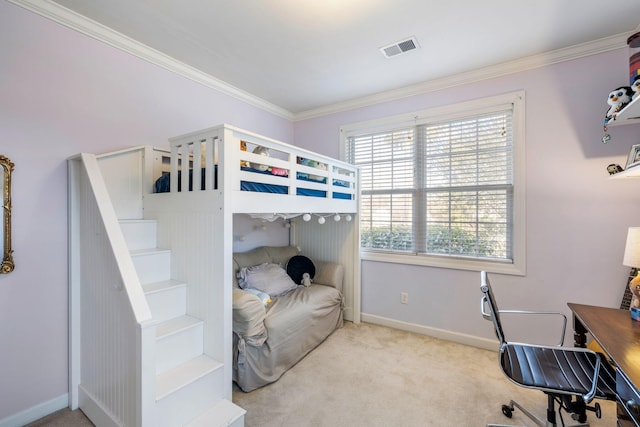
[[130, 282]]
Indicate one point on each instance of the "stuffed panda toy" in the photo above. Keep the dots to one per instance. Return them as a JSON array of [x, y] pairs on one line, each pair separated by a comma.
[[617, 100]]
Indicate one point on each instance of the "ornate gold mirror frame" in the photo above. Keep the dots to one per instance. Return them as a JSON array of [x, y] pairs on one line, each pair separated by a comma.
[[5, 177]]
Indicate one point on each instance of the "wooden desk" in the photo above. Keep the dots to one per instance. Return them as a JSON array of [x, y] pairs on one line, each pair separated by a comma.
[[619, 337]]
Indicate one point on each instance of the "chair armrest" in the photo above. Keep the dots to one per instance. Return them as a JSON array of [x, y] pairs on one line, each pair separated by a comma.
[[329, 274], [550, 313], [248, 317]]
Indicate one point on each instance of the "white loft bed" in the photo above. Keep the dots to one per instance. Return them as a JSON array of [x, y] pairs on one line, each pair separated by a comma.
[[288, 178], [217, 156], [110, 309], [314, 184]]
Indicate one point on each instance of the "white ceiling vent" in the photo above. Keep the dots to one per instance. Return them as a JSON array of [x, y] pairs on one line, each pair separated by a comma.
[[400, 47]]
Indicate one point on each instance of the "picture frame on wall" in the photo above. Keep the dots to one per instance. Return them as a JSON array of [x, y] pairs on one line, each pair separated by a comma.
[[634, 156]]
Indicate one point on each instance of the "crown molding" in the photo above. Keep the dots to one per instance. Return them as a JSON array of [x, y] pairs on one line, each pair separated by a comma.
[[91, 28], [82, 24], [523, 64]]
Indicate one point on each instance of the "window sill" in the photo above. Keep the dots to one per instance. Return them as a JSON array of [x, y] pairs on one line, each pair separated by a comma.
[[444, 262]]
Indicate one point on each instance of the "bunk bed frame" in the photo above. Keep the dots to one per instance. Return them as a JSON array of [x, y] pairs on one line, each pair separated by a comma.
[[220, 149], [195, 220]]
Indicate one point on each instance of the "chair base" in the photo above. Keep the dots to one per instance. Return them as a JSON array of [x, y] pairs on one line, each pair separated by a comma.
[[507, 410]]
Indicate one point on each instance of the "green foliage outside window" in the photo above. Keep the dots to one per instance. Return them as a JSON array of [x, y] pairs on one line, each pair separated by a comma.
[[441, 240]]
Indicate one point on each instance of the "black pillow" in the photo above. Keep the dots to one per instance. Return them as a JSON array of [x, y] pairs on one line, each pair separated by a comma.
[[298, 265]]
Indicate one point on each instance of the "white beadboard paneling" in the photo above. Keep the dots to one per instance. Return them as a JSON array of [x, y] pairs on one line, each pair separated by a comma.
[[123, 175], [129, 174], [338, 242], [199, 233], [108, 332]]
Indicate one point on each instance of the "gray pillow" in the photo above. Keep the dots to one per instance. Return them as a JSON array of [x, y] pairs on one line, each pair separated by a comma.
[[271, 279]]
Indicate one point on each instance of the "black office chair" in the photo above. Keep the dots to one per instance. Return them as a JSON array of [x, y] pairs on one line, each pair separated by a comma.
[[563, 373]]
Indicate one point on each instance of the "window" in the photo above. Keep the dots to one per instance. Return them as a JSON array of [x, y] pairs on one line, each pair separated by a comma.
[[443, 187]]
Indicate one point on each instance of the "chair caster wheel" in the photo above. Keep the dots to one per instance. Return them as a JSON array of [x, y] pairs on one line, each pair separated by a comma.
[[581, 418], [595, 408], [507, 411]]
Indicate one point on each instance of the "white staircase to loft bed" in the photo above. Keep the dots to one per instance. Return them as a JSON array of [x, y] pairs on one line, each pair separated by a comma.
[[150, 274], [189, 383], [138, 357]]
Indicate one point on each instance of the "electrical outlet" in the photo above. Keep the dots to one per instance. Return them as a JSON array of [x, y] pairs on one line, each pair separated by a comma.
[[404, 298]]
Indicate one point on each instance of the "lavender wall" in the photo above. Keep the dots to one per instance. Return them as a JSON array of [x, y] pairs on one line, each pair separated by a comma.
[[576, 218], [62, 93]]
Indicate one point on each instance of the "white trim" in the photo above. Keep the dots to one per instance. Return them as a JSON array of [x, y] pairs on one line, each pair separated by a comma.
[[36, 412], [545, 59], [519, 242], [94, 410], [91, 28], [75, 21], [356, 315], [73, 228], [445, 112], [443, 334], [448, 112], [452, 263]]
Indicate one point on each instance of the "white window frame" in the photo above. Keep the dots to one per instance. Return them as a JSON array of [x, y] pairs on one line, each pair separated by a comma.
[[450, 112]]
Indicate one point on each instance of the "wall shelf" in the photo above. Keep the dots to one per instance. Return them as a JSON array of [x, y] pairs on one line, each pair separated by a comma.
[[628, 115], [633, 172]]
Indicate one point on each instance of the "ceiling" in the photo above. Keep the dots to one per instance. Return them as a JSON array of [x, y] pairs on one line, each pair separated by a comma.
[[304, 55]]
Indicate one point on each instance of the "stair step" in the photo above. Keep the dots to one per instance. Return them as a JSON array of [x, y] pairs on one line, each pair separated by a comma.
[[223, 413], [178, 340], [152, 265], [167, 299], [174, 379], [186, 391], [162, 286], [175, 325], [139, 233]]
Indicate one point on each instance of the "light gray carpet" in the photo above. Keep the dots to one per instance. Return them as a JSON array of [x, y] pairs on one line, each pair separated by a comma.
[[368, 375], [63, 418]]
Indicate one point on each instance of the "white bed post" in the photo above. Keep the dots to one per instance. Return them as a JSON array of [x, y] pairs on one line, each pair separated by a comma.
[[173, 182], [74, 281], [210, 151], [357, 262], [228, 152]]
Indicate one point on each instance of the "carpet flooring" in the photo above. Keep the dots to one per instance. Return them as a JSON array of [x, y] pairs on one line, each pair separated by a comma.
[[63, 418], [368, 376]]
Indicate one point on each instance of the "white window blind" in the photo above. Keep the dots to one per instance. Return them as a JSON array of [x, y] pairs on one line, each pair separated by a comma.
[[439, 188], [468, 187], [387, 165]]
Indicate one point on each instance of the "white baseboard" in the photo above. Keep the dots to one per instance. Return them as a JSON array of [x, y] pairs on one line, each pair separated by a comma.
[[94, 410], [443, 334], [42, 410], [36, 412]]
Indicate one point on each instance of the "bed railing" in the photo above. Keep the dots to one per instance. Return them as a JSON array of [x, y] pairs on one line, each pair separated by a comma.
[[253, 163], [129, 174]]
